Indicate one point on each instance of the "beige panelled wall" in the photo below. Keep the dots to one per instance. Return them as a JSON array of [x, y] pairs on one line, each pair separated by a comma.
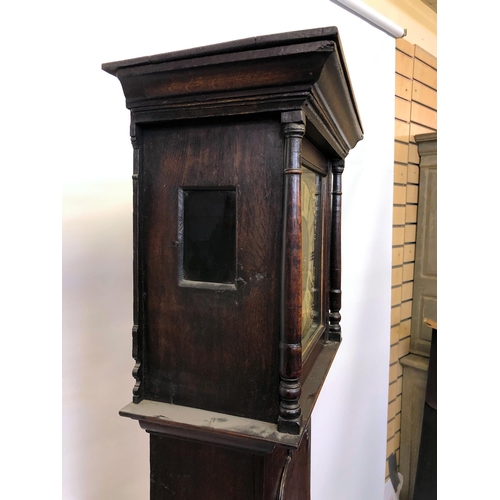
[[416, 113]]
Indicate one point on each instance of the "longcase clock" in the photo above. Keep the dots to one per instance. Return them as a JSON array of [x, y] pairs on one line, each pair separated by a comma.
[[238, 154]]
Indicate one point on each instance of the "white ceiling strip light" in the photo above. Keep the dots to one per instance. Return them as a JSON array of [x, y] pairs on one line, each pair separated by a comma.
[[372, 16]]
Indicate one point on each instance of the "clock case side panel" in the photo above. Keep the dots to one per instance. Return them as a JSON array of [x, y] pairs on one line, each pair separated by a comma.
[[326, 161], [200, 374]]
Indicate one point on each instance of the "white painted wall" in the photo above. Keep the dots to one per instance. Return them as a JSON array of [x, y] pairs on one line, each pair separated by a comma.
[[105, 457], [349, 423]]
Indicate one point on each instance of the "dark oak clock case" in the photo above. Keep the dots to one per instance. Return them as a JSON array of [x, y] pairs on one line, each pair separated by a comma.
[[238, 154]]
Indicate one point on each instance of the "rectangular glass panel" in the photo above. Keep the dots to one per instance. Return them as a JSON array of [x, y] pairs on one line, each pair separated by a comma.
[[209, 235], [311, 253]]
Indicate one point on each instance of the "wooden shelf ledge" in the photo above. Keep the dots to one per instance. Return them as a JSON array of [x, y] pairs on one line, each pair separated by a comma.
[[208, 426], [229, 430]]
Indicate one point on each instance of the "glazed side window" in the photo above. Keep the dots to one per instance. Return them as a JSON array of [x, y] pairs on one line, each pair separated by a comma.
[[208, 235]]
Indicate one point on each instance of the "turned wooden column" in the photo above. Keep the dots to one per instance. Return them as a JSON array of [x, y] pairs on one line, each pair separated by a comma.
[[137, 350], [335, 292], [291, 308]]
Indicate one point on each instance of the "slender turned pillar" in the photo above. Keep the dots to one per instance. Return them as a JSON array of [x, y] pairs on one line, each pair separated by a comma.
[[335, 294], [289, 420], [136, 336]]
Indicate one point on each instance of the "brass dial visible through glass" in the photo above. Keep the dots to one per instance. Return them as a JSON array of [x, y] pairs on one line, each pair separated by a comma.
[[311, 191]]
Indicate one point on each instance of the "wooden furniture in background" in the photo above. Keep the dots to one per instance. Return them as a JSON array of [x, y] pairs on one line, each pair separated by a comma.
[[415, 113], [416, 364], [238, 154], [426, 475], [425, 279]]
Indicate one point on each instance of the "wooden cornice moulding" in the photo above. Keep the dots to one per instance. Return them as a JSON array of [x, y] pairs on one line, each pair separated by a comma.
[[415, 361], [268, 73], [427, 149]]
